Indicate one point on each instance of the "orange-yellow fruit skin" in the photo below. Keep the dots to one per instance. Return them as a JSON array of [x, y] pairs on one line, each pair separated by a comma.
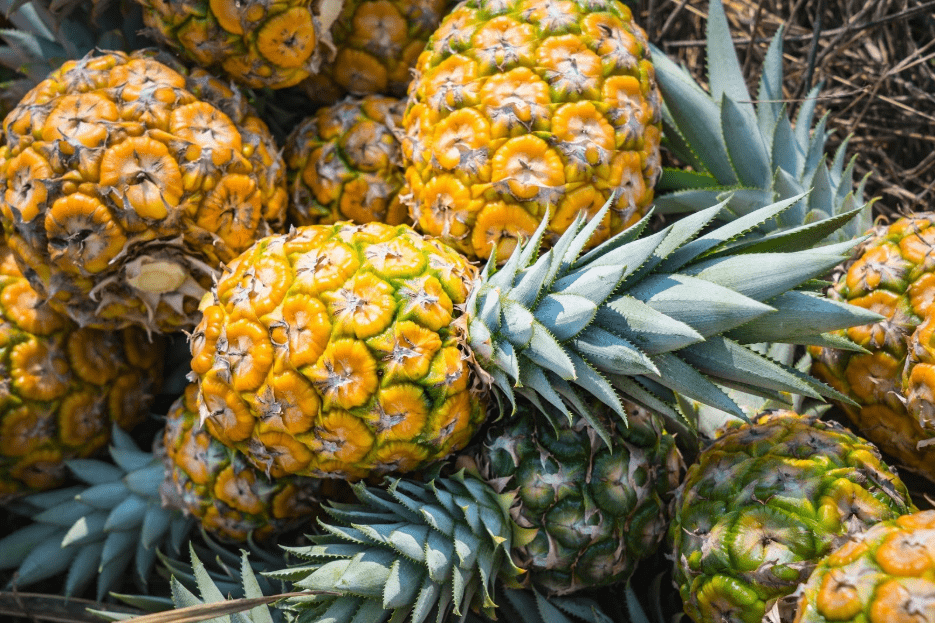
[[259, 44], [231, 498], [530, 106], [345, 163], [345, 357], [892, 274], [884, 575], [377, 43], [63, 387], [125, 182]]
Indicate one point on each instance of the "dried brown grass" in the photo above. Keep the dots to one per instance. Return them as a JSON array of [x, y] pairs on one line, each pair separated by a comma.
[[875, 57]]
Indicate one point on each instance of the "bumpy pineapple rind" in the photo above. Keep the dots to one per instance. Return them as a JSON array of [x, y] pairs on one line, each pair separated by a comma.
[[377, 43], [765, 502], [331, 351], [893, 274], [219, 486], [595, 510], [884, 574], [345, 163], [259, 44], [62, 387], [517, 108], [127, 184]]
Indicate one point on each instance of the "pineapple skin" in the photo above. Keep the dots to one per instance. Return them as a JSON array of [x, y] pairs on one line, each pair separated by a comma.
[[892, 274], [883, 574], [345, 163], [377, 44], [764, 503], [230, 497], [126, 183], [258, 44], [520, 107], [62, 386], [336, 352], [592, 511]]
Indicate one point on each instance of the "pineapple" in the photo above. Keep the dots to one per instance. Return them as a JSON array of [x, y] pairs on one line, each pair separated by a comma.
[[556, 509], [519, 110], [350, 350], [377, 43], [892, 274], [62, 386], [230, 498], [259, 44], [883, 574], [765, 502], [345, 164], [593, 510], [127, 183]]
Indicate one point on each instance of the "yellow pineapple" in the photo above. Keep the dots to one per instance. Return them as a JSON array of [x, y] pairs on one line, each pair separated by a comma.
[[229, 496], [377, 43], [260, 44], [522, 106], [892, 274], [126, 183], [61, 386], [345, 163]]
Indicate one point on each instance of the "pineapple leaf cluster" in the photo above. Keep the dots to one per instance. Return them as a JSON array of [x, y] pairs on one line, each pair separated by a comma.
[[751, 154], [663, 315], [412, 552], [97, 529]]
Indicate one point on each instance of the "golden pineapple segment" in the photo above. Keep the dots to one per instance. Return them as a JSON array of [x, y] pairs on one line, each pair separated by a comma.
[[260, 44], [522, 106], [229, 496], [125, 184], [892, 274], [883, 575], [345, 164], [334, 351], [61, 386], [378, 43]]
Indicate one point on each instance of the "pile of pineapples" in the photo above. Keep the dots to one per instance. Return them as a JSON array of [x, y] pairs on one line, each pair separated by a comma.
[[387, 280]]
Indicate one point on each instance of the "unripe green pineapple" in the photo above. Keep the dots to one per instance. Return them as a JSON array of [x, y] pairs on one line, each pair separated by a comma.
[[593, 510], [764, 503]]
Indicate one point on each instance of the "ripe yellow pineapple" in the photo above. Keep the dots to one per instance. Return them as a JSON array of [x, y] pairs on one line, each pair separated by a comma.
[[892, 274], [62, 387], [522, 106], [216, 484], [126, 183], [345, 164], [377, 43], [260, 44]]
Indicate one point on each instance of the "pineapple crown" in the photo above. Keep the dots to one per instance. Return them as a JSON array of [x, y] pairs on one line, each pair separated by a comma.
[[97, 530], [414, 551], [751, 155], [670, 313]]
